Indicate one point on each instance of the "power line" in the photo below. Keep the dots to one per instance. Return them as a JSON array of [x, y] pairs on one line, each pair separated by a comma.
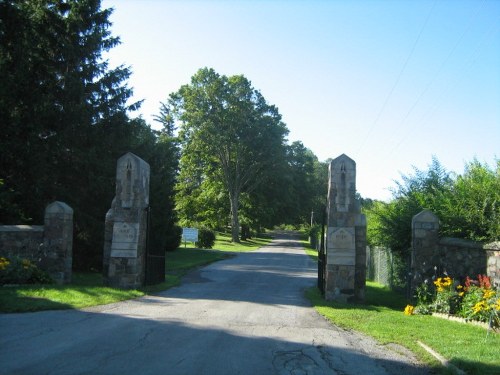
[[399, 75], [429, 84], [466, 67]]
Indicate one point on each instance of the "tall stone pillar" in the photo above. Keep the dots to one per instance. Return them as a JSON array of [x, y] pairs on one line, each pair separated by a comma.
[[58, 242], [345, 272], [424, 244], [126, 225]]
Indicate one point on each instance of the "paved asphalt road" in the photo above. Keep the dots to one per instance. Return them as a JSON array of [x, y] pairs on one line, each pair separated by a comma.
[[244, 315]]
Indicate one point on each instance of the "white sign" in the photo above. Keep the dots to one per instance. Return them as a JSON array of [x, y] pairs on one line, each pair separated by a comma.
[[190, 234]]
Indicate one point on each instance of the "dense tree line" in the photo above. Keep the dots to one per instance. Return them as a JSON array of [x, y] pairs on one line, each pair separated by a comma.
[[64, 117], [467, 205]]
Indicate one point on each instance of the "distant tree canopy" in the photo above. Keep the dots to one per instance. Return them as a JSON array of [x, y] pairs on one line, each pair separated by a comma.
[[232, 139], [64, 119], [467, 205], [235, 165]]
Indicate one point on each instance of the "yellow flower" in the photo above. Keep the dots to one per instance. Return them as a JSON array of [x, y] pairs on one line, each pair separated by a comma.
[[443, 283], [488, 293], [409, 309], [479, 306], [447, 281], [497, 305], [4, 262]]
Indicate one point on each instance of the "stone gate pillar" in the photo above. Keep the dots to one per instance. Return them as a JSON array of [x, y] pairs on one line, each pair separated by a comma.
[[124, 257], [424, 243], [346, 234], [57, 259]]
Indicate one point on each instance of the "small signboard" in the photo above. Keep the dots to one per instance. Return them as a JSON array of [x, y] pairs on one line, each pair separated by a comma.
[[189, 234]]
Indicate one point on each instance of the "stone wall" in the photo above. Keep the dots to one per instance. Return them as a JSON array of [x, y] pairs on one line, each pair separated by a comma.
[[459, 258], [49, 246], [434, 256], [24, 241]]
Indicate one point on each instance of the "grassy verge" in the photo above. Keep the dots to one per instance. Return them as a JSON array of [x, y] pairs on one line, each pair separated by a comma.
[[223, 243], [311, 252], [466, 346], [87, 289]]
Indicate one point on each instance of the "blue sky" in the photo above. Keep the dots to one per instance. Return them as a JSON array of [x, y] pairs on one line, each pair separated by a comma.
[[389, 83]]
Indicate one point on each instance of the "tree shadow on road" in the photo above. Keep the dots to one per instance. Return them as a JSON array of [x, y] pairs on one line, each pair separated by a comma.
[[106, 343]]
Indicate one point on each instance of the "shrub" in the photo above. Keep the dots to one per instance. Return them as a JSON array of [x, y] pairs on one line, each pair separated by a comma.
[[467, 205], [174, 238], [206, 238], [314, 233], [480, 301], [21, 271]]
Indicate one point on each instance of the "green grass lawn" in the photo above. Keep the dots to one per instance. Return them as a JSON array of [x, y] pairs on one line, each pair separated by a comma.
[[468, 347], [223, 243], [312, 253], [87, 289]]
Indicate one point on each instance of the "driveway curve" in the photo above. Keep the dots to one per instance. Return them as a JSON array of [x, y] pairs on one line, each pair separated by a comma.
[[244, 315]]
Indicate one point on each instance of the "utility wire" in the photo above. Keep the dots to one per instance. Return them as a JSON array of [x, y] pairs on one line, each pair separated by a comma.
[[399, 75], [429, 84], [473, 57]]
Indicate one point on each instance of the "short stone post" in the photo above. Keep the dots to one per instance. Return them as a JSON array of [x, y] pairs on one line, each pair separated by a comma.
[[126, 261], [493, 262], [58, 242], [425, 239], [346, 234]]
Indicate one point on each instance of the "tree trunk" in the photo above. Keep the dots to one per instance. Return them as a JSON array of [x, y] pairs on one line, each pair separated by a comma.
[[235, 222]]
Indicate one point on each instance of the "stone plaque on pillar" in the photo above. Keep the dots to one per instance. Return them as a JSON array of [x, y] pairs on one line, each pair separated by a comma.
[[341, 248], [126, 225], [125, 240], [345, 270]]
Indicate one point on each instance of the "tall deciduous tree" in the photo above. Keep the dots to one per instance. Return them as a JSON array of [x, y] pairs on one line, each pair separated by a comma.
[[229, 135]]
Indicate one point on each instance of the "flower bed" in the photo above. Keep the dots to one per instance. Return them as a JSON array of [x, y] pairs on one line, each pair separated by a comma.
[[474, 301], [462, 320], [21, 271]]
